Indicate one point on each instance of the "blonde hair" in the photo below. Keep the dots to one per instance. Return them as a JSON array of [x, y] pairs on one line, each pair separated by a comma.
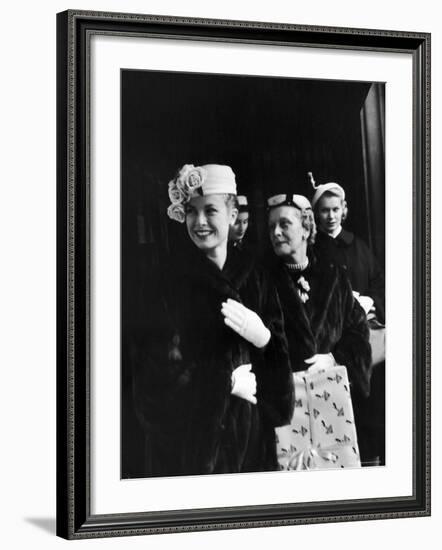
[[230, 200], [308, 222]]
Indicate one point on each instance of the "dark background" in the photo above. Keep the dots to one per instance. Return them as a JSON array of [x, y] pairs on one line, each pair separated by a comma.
[[271, 131]]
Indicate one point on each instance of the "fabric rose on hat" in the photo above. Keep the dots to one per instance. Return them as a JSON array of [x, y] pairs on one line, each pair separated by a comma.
[[189, 178], [208, 179], [176, 212], [175, 194]]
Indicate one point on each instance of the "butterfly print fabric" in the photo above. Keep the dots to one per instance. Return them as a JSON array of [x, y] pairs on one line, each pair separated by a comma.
[[322, 431]]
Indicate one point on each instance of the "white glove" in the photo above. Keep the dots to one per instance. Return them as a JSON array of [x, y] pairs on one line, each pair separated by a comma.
[[244, 383], [245, 322], [320, 362], [366, 302]]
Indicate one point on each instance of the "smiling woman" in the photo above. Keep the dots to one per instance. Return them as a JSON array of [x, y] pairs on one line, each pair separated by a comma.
[[145, 315], [208, 220], [211, 376]]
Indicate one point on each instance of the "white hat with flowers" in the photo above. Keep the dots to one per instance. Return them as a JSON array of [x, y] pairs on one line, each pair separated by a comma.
[[193, 181]]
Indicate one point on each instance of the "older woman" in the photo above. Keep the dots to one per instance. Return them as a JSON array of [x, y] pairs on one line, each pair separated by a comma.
[[324, 323], [215, 379]]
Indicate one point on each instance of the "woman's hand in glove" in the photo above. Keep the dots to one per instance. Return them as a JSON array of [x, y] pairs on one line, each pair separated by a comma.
[[320, 361], [244, 383], [245, 322], [365, 302]]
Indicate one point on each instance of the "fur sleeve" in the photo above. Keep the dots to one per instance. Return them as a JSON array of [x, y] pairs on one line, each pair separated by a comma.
[[275, 391], [353, 349]]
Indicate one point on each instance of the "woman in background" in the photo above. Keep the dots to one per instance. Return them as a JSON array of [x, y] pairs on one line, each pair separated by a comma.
[[239, 229], [338, 245]]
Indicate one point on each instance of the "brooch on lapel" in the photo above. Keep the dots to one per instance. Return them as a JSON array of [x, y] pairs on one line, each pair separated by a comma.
[[303, 289]]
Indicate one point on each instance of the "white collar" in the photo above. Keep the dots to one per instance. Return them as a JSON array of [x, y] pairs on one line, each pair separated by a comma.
[[335, 232]]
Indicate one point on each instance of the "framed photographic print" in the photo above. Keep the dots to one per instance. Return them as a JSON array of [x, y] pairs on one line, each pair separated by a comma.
[[243, 274]]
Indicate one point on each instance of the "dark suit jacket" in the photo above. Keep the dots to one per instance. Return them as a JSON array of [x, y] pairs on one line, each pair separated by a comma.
[[363, 270]]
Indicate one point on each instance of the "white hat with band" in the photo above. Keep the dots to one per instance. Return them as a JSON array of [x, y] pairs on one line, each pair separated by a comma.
[[331, 187], [196, 181]]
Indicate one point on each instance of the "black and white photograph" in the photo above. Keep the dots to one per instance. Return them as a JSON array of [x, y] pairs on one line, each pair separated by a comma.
[[253, 327], [222, 258], [243, 273]]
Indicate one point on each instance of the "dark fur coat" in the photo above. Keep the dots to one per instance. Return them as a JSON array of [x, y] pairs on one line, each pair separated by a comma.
[[331, 320], [367, 277], [184, 364], [363, 270]]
